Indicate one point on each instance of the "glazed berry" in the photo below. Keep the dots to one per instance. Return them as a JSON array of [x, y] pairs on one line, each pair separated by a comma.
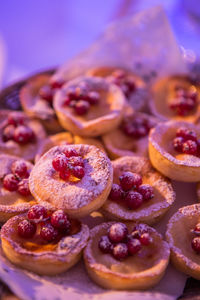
[[59, 220], [49, 233], [19, 168], [130, 180], [117, 232], [23, 134], [145, 239], [133, 200], [197, 229], [60, 162], [78, 172], [105, 245], [70, 152], [56, 83], [134, 246], [10, 183], [76, 161], [116, 193], [187, 134], [146, 191], [71, 92], [120, 251], [23, 187], [190, 147], [140, 229], [15, 119], [46, 93], [8, 133], [82, 107], [64, 174], [37, 212], [26, 229], [196, 244], [178, 143], [93, 98]]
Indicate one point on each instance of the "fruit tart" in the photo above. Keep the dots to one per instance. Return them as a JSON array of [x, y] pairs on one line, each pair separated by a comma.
[[176, 97], [20, 135], [133, 87], [139, 192], [75, 178], [36, 98], [89, 106], [174, 150], [132, 256], [183, 236], [65, 138], [15, 197], [130, 138], [43, 241]]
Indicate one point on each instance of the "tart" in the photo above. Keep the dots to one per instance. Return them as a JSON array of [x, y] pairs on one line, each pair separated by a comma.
[[183, 237], [133, 86], [174, 150], [75, 178], [89, 106], [36, 98], [20, 135], [139, 192], [65, 138], [15, 197], [130, 138], [176, 98], [126, 263], [42, 246]]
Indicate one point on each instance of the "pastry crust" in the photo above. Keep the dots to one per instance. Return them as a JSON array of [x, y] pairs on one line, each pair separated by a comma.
[[179, 237], [141, 271], [49, 260], [76, 198], [181, 167], [101, 118], [150, 212]]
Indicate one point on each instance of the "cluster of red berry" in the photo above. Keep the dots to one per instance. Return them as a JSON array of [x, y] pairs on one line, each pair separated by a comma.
[[69, 163], [131, 192], [196, 240], [186, 142], [136, 128], [47, 91], [18, 179], [17, 130], [49, 226], [119, 243]]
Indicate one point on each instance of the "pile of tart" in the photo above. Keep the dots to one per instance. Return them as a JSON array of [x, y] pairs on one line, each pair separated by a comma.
[[105, 144]]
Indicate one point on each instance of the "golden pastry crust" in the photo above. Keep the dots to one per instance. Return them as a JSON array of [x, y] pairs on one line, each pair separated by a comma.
[[35, 106], [49, 259], [141, 271], [118, 144], [179, 237], [12, 203], [76, 198], [151, 211], [163, 89], [181, 167], [26, 151], [101, 118]]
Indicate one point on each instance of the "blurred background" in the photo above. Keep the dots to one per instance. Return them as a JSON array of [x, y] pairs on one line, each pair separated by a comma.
[[39, 34]]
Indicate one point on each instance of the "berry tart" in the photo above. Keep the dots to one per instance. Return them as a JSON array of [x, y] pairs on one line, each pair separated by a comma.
[[15, 197], [130, 138], [132, 256], [133, 87], [43, 241], [75, 178], [65, 138], [20, 135], [183, 236], [174, 150], [89, 106], [139, 192], [36, 98], [177, 98]]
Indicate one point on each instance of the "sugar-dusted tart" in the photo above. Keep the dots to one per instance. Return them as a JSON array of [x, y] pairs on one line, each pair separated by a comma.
[[89, 106], [36, 98], [174, 150], [139, 192], [75, 178], [65, 138], [126, 257], [130, 138], [19, 134], [133, 86], [176, 98], [44, 242], [15, 197], [183, 236]]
